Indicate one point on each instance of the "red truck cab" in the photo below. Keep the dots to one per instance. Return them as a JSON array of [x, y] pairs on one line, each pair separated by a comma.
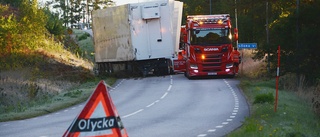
[[206, 46]]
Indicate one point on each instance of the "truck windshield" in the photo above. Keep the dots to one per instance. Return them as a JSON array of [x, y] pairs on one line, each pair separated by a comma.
[[215, 36]]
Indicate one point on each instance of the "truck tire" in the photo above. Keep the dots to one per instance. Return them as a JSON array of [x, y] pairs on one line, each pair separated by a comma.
[[187, 75]]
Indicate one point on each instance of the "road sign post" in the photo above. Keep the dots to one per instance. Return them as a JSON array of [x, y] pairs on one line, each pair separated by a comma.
[[246, 46]]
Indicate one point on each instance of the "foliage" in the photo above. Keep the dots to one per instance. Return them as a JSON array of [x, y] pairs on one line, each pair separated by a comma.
[[73, 94], [14, 3], [292, 24], [264, 98], [75, 12], [71, 45], [22, 31], [316, 100], [202, 7], [293, 117], [299, 38], [54, 25], [83, 36], [26, 45]]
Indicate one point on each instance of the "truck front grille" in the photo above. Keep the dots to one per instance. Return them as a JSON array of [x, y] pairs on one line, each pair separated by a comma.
[[212, 62]]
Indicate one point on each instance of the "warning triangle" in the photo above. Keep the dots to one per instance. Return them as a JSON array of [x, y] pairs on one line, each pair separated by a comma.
[[99, 117]]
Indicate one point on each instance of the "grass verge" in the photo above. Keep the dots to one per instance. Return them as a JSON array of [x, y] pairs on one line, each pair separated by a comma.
[[294, 116], [63, 100], [53, 86]]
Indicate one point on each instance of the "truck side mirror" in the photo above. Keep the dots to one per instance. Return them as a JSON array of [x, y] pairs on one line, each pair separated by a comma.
[[236, 36]]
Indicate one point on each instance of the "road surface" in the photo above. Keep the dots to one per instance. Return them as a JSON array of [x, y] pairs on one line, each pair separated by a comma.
[[170, 106]]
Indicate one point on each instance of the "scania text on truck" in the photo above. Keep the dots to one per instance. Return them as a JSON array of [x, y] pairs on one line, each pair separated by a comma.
[[206, 46], [139, 37]]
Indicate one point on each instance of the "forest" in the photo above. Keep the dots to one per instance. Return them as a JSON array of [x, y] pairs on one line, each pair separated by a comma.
[[291, 24]]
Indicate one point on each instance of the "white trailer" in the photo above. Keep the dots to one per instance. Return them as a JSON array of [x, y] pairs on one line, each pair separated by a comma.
[[141, 37]]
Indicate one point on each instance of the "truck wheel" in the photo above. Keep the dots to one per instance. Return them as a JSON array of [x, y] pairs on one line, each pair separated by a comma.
[[144, 73], [171, 71], [186, 74], [163, 71]]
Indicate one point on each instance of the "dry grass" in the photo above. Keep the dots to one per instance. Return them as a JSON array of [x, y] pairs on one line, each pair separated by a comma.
[[251, 68], [294, 115], [56, 71], [298, 85]]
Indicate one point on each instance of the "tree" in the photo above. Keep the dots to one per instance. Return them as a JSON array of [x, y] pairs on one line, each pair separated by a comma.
[[202, 7], [54, 25], [74, 10], [14, 3], [293, 27], [22, 32], [298, 35]]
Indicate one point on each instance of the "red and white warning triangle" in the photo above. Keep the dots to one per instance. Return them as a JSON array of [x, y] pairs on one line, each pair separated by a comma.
[[99, 117]]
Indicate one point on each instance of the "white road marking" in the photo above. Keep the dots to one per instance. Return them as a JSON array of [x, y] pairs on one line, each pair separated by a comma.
[[133, 113], [169, 88], [202, 135], [151, 104], [235, 110], [225, 123], [219, 126], [164, 95]]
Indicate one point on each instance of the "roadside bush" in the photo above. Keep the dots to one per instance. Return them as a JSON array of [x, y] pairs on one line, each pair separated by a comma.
[[292, 82], [83, 36], [73, 94], [71, 45], [316, 100], [264, 98], [54, 25]]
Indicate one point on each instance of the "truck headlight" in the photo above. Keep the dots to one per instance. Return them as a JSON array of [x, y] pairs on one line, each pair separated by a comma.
[[193, 66], [230, 65]]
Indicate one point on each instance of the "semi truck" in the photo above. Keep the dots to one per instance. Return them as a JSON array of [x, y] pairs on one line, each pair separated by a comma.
[[206, 46], [138, 38]]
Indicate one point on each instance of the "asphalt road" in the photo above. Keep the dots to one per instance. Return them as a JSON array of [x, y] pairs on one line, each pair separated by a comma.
[[170, 106]]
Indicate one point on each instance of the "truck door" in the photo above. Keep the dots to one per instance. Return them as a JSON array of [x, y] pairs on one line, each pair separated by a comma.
[[154, 38]]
